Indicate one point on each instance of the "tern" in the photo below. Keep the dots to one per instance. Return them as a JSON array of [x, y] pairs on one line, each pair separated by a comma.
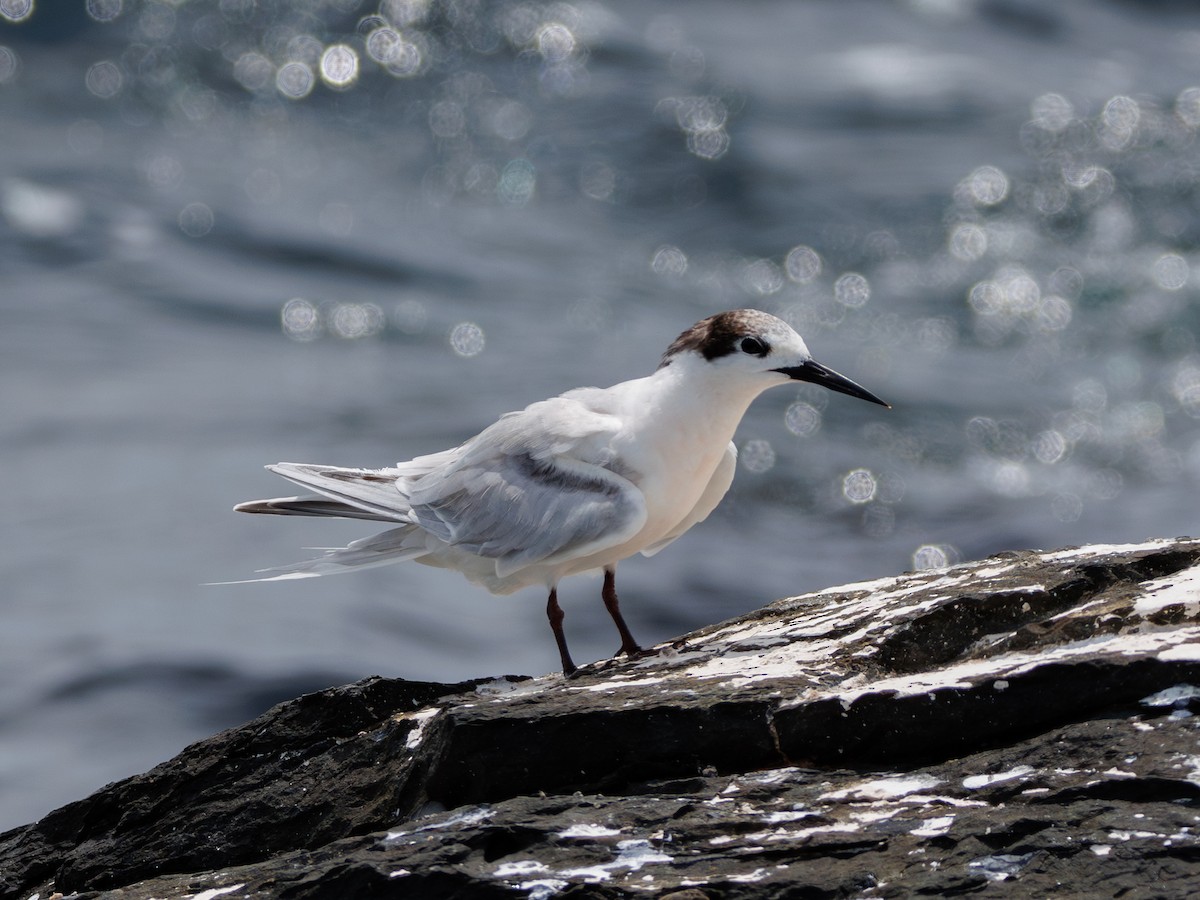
[[572, 484]]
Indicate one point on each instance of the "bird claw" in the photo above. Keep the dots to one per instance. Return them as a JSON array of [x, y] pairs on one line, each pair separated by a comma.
[[635, 652]]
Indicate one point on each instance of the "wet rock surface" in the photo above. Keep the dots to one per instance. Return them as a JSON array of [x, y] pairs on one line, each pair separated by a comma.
[[1018, 726]]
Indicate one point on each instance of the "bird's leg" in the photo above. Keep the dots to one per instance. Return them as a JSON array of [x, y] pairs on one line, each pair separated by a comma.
[[555, 614], [628, 645]]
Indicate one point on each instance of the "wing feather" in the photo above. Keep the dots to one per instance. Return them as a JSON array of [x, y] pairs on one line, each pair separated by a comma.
[[374, 491], [535, 487]]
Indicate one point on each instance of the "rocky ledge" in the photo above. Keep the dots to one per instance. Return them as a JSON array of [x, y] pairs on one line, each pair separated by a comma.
[[1021, 726]]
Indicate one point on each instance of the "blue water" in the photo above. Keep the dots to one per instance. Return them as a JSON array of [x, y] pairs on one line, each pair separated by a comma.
[[235, 234]]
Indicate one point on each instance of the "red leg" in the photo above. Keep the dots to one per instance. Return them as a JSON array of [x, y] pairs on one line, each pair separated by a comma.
[[628, 645], [555, 614]]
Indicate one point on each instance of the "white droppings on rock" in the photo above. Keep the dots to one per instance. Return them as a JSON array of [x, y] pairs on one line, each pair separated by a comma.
[[789, 815], [890, 788], [935, 827], [632, 855], [519, 867], [1180, 694], [975, 782], [1105, 550], [471, 815], [543, 888], [1000, 867], [615, 683], [213, 893], [420, 718], [1182, 588]]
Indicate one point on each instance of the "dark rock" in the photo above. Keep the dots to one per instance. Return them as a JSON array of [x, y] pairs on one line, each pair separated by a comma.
[[1022, 725]]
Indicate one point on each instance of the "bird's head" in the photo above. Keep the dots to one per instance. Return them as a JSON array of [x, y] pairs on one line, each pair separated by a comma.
[[754, 347]]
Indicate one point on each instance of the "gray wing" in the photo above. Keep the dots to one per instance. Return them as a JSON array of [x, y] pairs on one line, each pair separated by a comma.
[[538, 486], [718, 485], [347, 493], [376, 494]]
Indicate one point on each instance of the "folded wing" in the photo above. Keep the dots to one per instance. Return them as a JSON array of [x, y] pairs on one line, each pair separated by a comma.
[[537, 487]]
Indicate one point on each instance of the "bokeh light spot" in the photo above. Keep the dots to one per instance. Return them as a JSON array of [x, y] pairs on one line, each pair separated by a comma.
[[467, 339], [294, 80], [103, 10], [763, 277], [404, 12], [1170, 272], [1009, 478], [597, 180], [1105, 484], [936, 334], [934, 556], [852, 290], [669, 260], [859, 486], [1187, 107], [1050, 447], [1066, 282], [708, 144], [163, 171], [757, 456], [803, 264], [196, 220], [968, 241], [16, 10], [1119, 120], [301, 320], [339, 66], [10, 64], [304, 48], [447, 119], [383, 45], [510, 120], [987, 186], [1052, 112], [802, 419], [517, 183], [406, 61], [555, 42], [1185, 387], [353, 321], [702, 119], [253, 71], [156, 21], [1054, 314], [104, 79]]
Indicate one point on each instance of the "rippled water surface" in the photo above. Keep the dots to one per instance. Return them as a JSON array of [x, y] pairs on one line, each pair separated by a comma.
[[235, 233]]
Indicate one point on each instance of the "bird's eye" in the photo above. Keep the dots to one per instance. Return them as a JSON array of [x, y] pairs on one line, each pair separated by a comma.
[[754, 346]]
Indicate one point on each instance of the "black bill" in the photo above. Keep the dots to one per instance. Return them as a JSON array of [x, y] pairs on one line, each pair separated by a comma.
[[819, 374]]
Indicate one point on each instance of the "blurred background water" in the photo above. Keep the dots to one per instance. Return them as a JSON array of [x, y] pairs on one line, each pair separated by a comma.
[[347, 232]]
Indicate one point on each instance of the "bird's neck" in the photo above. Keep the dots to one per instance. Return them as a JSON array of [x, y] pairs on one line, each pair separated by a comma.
[[704, 408]]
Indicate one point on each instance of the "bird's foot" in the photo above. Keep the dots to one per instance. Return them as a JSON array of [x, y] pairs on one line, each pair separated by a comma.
[[633, 651]]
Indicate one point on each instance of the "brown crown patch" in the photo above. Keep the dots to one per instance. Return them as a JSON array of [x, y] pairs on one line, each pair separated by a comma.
[[718, 335]]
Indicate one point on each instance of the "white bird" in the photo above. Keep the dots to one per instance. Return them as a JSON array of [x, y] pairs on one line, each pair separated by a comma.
[[572, 484]]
